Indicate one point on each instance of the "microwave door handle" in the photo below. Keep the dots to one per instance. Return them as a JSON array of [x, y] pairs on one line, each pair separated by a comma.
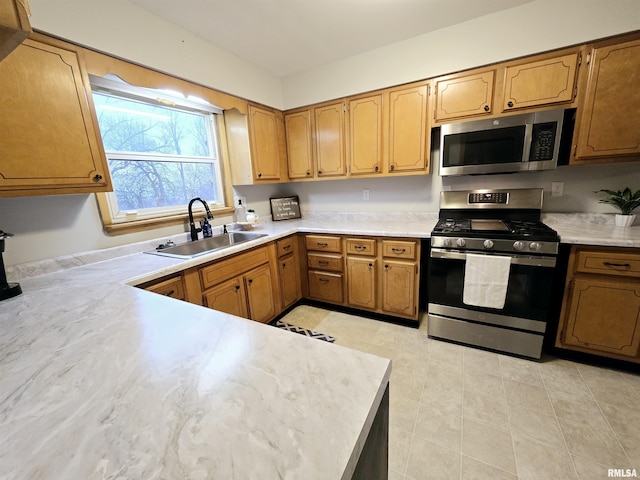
[[526, 147]]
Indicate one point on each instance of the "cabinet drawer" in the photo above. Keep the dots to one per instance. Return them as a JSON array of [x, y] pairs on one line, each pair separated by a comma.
[[172, 287], [325, 286], [228, 268], [323, 243], [361, 246], [323, 261], [399, 249], [608, 263], [285, 246]]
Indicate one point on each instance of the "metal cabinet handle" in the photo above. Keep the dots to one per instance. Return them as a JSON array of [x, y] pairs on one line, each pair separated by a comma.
[[237, 287], [610, 264], [391, 167], [323, 262], [399, 250], [286, 247], [250, 281], [509, 104], [170, 292], [323, 244], [323, 280], [359, 247], [97, 177], [486, 108]]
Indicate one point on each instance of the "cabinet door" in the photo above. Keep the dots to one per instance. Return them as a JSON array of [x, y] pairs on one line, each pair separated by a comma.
[[611, 101], [290, 287], [48, 130], [228, 297], [399, 292], [408, 139], [14, 25], [604, 315], [544, 82], [330, 145], [172, 287], [365, 135], [464, 95], [361, 282], [261, 294], [265, 143], [299, 144]]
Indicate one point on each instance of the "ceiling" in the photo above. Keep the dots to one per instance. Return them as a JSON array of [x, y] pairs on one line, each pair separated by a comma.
[[289, 36]]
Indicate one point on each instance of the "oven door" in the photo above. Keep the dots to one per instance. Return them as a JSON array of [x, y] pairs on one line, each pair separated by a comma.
[[528, 298]]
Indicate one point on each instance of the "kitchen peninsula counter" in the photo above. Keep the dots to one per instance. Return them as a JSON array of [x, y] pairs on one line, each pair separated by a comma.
[[102, 380]]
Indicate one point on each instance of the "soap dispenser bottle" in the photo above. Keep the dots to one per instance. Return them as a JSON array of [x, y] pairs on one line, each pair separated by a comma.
[[240, 213]]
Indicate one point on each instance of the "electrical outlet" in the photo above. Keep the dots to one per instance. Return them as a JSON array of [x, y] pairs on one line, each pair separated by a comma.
[[557, 189], [365, 194]]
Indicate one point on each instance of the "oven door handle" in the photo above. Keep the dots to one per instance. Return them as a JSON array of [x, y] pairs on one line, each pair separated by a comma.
[[527, 260]]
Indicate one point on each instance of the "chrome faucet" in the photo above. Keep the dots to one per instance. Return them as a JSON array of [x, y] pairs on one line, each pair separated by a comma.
[[192, 225]]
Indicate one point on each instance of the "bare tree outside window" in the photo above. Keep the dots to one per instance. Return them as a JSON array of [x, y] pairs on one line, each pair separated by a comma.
[[158, 156]]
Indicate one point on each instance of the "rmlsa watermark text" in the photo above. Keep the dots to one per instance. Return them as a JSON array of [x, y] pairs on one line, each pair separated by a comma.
[[622, 473]]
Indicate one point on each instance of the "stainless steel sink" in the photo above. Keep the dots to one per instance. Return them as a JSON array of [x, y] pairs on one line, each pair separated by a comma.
[[206, 245]]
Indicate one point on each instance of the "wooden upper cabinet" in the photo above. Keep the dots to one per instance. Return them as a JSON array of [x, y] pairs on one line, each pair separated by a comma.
[[408, 129], [608, 125], [299, 144], [365, 135], [14, 25], [256, 145], [539, 83], [464, 95], [265, 141], [49, 137], [330, 140]]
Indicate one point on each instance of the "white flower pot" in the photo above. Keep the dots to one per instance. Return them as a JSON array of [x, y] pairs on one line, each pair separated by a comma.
[[624, 220]]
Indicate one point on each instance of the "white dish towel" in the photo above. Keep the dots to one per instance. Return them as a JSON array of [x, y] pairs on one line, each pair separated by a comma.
[[486, 278]]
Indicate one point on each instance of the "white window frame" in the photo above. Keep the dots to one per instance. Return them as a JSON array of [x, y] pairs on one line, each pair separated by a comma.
[[122, 221]]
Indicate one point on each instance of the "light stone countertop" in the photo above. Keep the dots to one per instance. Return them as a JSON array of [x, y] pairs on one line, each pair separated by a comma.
[[102, 380]]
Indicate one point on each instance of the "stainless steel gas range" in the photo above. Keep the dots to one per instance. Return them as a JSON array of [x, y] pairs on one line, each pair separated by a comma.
[[491, 270]]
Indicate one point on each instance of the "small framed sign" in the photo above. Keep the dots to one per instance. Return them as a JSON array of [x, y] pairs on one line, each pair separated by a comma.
[[285, 208]]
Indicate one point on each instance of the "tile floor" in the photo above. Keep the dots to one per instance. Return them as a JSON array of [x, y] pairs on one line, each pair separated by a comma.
[[463, 413]]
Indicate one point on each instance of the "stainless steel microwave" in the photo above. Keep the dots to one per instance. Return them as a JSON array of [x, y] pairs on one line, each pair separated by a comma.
[[516, 143]]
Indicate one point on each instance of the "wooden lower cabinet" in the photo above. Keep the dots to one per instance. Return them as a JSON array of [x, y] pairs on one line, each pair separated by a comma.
[[399, 288], [170, 287], [601, 308], [289, 271], [245, 284], [261, 295], [250, 295], [362, 282], [378, 274], [228, 297], [326, 286]]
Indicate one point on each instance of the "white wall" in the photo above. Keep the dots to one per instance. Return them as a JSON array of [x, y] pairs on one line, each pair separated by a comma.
[[122, 29], [59, 225], [530, 28]]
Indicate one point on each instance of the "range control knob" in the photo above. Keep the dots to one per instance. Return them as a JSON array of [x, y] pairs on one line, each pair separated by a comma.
[[488, 244], [518, 245], [446, 242], [534, 246], [461, 242]]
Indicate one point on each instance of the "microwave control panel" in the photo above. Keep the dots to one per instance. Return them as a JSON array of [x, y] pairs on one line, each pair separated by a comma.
[[543, 141]]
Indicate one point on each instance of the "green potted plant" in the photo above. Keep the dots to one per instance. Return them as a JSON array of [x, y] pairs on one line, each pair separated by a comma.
[[626, 201]]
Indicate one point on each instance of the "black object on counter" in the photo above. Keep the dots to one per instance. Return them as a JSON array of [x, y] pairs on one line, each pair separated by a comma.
[[7, 290]]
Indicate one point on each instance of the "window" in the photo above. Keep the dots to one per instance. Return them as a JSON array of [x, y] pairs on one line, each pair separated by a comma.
[[162, 151]]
